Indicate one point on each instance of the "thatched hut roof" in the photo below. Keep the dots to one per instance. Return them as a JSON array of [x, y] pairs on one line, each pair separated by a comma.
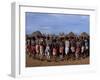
[[36, 34], [71, 34], [84, 34], [61, 35], [28, 36]]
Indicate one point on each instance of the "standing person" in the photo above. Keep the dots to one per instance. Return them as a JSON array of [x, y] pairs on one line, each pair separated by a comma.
[[78, 49], [54, 50], [48, 48], [61, 49], [86, 47], [37, 47], [41, 48], [67, 44], [82, 48], [33, 50], [73, 45], [54, 53], [47, 52], [28, 47]]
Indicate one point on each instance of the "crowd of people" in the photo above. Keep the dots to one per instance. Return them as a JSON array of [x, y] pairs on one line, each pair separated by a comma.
[[54, 48]]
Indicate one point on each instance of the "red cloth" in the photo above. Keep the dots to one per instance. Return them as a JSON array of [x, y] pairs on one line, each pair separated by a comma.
[[77, 50], [61, 49], [33, 49], [54, 50], [29, 48]]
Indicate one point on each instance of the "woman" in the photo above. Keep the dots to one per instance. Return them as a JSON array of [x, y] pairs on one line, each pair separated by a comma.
[[28, 46], [33, 50], [47, 52], [78, 49], [37, 48], [86, 48], [41, 48], [54, 53], [61, 49], [82, 48], [66, 47], [73, 45]]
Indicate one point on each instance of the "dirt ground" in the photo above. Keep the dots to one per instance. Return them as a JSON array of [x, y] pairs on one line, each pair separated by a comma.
[[30, 62]]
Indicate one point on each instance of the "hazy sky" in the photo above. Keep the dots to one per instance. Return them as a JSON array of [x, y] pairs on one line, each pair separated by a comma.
[[55, 23]]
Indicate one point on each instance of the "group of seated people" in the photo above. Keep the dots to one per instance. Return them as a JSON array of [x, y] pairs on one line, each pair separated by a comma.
[[62, 48]]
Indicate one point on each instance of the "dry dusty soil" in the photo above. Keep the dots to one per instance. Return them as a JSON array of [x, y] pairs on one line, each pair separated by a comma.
[[30, 62]]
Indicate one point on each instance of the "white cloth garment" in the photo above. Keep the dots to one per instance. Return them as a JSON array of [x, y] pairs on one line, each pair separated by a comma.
[[66, 47]]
